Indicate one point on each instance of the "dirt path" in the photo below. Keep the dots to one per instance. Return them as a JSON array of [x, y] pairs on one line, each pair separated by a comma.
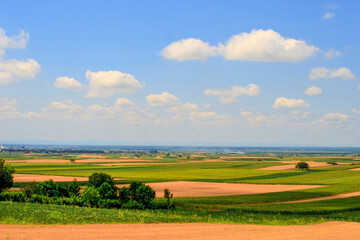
[[207, 189], [345, 195], [323, 231]]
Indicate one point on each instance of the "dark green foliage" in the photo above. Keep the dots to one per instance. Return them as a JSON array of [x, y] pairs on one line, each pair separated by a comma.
[[332, 163], [91, 196], [124, 195], [168, 196], [30, 189], [302, 165], [6, 178], [96, 179], [73, 188], [145, 195], [106, 191], [51, 189]]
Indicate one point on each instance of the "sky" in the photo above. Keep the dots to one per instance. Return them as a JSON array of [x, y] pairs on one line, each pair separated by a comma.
[[209, 73]]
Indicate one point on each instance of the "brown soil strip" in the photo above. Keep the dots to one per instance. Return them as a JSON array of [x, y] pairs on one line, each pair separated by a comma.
[[355, 169], [94, 160], [292, 166], [345, 195], [186, 231], [40, 178], [207, 189]]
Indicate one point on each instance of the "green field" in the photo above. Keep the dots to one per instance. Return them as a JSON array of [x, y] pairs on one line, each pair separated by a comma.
[[256, 209]]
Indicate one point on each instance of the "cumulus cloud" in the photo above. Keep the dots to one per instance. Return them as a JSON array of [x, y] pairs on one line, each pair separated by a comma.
[[108, 83], [354, 110], [18, 41], [332, 54], [258, 45], [313, 91], [9, 110], [331, 118], [14, 70], [230, 96], [186, 107], [267, 45], [246, 114], [163, 99], [326, 73], [67, 83], [283, 102], [203, 115], [328, 15], [124, 101], [189, 49]]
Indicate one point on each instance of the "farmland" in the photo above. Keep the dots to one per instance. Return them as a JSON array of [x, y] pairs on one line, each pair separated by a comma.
[[262, 207]]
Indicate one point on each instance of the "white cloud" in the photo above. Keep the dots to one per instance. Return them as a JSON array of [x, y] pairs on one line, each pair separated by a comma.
[[336, 116], [259, 45], [354, 110], [289, 103], [13, 70], [358, 87], [186, 107], [332, 54], [108, 83], [328, 15], [229, 96], [313, 91], [203, 115], [326, 73], [331, 118], [163, 99], [124, 101], [19, 41], [67, 83], [189, 49], [267, 46], [246, 114], [8, 110]]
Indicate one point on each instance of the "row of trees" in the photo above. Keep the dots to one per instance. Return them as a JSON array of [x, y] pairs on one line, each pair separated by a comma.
[[100, 192]]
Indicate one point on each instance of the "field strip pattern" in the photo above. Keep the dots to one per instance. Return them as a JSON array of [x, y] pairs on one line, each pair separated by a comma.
[[323, 231], [210, 189], [345, 195]]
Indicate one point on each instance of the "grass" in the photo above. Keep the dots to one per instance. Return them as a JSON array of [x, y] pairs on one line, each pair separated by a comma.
[[254, 209]]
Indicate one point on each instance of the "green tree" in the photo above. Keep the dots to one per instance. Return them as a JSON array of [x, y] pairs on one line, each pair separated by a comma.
[[302, 165], [73, 188], [6, 176], [168, 196], [96, 179]]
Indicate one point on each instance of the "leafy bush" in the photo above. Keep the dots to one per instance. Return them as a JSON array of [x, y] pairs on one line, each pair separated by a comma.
[[332, 163], [13, 196], [96, 179], [91, 196], [6, 178], [73, 188], [106, 191], [168, 196], [52, 189], [302, 165], [30, 189]]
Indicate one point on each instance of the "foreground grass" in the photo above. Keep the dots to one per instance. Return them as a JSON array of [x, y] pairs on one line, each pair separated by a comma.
[[32, 213]]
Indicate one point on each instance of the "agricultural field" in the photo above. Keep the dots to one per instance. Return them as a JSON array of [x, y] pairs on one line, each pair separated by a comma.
[[207, 188]]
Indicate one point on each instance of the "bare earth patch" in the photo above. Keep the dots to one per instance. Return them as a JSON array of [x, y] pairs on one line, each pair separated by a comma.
[[293, 163], [355, 169], [345, 195], [207, 189], [91, 160], [323, 231], [41, 178]]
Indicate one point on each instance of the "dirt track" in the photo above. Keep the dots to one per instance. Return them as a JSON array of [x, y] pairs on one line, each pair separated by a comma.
[[207, 189], [323, 231]]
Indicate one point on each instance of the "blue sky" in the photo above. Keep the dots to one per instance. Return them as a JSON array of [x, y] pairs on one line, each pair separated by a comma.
[[266, 73]]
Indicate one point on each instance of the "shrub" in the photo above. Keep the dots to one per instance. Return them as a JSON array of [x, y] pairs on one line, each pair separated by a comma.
[[302, 165], [51, 189], [124, 195], [96, 179], [145, 195], [6, 178], [30, 189], [13, 196], [332, 163], [73, 188], [91, 196], [106, 191], [168, 196], [132, 204]]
